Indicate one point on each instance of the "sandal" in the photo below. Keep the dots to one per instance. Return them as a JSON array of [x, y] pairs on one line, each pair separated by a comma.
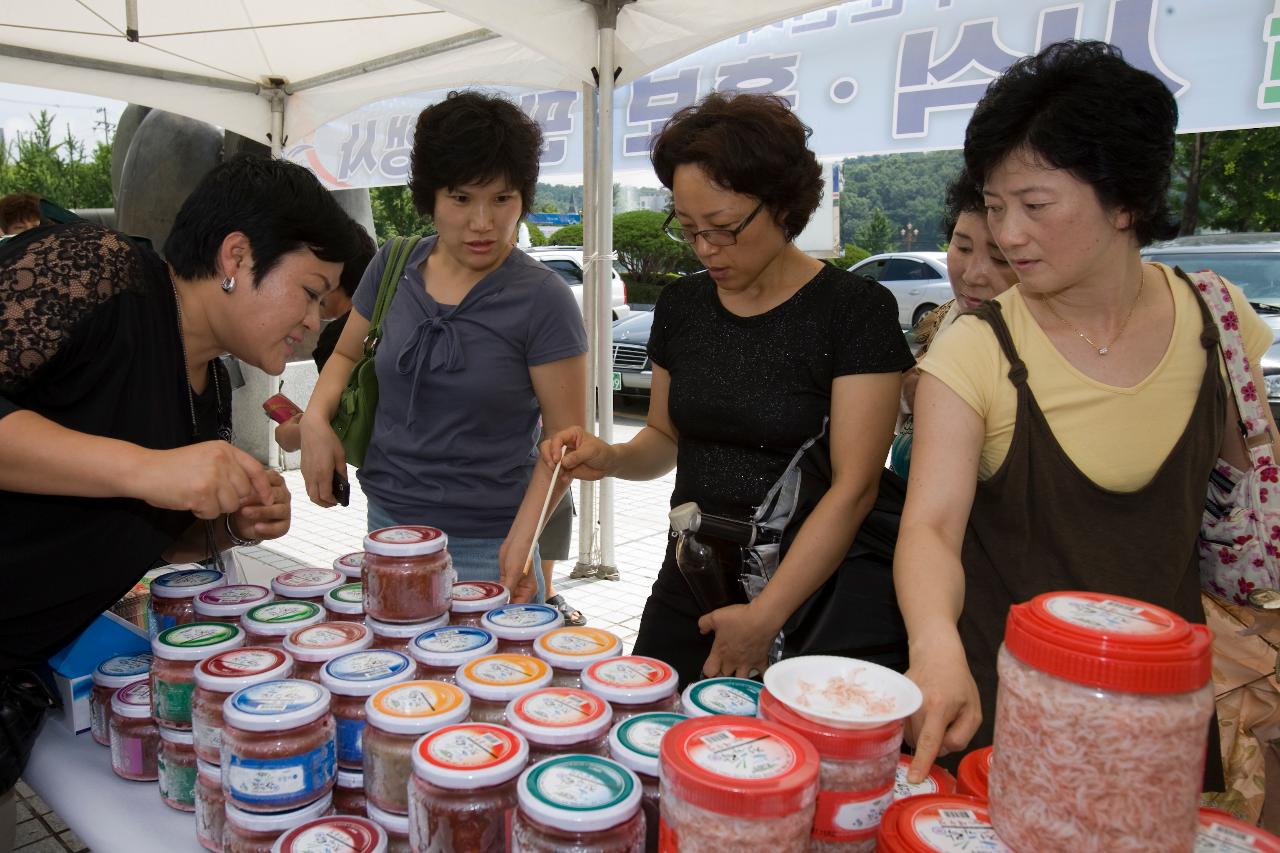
[[572, 616]]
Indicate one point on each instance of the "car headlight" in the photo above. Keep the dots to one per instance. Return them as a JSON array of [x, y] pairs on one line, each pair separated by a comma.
[[1273, 386]]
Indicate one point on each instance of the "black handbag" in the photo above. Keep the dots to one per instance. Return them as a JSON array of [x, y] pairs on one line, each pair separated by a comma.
[[24, 698]]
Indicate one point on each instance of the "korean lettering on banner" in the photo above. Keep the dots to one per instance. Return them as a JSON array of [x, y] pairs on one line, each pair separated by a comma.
[[382, 153], [655, 99], [553, 111], [773, 74]]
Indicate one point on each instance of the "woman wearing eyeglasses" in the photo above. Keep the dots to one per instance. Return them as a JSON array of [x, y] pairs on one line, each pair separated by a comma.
[[750, 359]]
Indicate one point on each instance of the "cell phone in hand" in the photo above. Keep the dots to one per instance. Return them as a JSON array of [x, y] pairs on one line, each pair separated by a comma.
[[341, 489], [280, 408]]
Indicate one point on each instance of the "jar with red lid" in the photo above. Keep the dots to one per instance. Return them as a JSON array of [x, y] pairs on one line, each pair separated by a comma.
[[1219, 832], [353, 678], [635, 744], [560, 720], [211, 814], [473, 599], [395, 719], [396, 826], [408, 574], [268, 624], [398, 636], [582, 803], [1115, 695], [572, 649], [732, 782], [306, 584], [135, 739], [277, 746], [176, 653], [108, 677], [345, 603], [974, 773], [939, 781], [229, 603], [855, 778], [517, 625], [738, 697], [463, 792], [340, 833], [348, 792], [314, 646], [176, 770], [440, 651], [256, 832], [351, 565], [220, 675], [939, 822], [633, 685], [173, 594], [494, 680]]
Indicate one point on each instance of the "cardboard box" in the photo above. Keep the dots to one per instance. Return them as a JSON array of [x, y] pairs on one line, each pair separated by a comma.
[[106, 637]]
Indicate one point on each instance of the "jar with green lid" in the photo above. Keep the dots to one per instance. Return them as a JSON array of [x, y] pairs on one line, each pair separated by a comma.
[[268, 624], [176, 652], [636, 744], [711, 696], [582, 803], [345, 603]]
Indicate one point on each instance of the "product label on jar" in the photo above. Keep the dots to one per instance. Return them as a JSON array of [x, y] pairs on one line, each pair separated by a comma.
[[449, 640], [207, 735], [419, 699], [272, 781], [506, 669], [1107, 615], [477, 590], [850, 815], [353, 560], [741, 752], [336, 835], [578, 641], [956, 830], [631, 673], [473, 746], [280, 612], [239, 663], [177, 783], [198, 635], [931, 784], [579, 782], [406, 535], [173, 700], [126, 666], [737, 696], [350, 741], [368, 666], [643, 734], [158, 623], [523, 615], [235, 594], [558, 707], [349, 593], [279, 697], [1215, 837], [329, 635], [308, 577], [138, 693], [127, 755], [187, 578]]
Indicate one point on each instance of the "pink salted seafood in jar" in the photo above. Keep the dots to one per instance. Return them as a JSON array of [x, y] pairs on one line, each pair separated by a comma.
[[211, 812], [473, 599], [440, 651], [939, 781], [173, 671], [1221, 833], [633, 685], [733, 783], [572, 649], [559, 720], [517, 625], [494, 680], [947, 823], [737, 697], [974, 773], [314, 646], [396, 826], [582, 803], [173, 595], [268, 624], [345, 603], [635, 744], [256, 832], [108, 677], [306, 584], [395, 719], [176, 769], [398, 636], [352, 679], [351, 565], [337, 834], [408, 574], [1109, 696], [229, 603], [348, 793], [220, 675], [135, 740]]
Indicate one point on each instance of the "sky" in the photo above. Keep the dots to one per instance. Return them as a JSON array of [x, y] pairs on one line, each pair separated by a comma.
[[19, 103]]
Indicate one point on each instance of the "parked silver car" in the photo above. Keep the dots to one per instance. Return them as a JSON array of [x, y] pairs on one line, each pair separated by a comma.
[[918, 280]]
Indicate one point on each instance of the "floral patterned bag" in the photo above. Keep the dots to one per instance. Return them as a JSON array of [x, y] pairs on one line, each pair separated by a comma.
[[1240, 530]]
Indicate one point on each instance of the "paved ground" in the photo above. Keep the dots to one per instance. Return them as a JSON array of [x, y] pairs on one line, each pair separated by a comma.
[[40, 830]]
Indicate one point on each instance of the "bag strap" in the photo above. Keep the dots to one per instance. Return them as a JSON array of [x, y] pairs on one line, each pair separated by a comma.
[[397, 257]]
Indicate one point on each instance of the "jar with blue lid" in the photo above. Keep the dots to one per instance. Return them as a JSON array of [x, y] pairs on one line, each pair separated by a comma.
[[440, 651], [517, 626], [173, 595], [278, 746], [108, 677], [353, 678], [578, 802]]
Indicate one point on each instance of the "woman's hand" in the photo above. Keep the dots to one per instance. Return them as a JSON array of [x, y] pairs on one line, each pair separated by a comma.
[[742, 642], [951, 711], [209, 479], [513, 560], [265, 520], [322, 455], [289, 434], [585, 456]]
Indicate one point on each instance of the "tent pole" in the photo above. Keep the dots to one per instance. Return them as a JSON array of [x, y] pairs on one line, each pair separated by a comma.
[[603, 279], [587, 488], [277, 122]]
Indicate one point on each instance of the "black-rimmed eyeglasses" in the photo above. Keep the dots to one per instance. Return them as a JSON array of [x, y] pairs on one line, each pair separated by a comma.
[[714, 236]]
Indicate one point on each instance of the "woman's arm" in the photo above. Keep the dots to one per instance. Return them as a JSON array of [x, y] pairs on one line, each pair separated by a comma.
[[322, 452]]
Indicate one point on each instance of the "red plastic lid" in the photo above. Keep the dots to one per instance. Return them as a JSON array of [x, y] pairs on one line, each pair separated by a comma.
[[407, 540], [939, 781], [739, 766], [973, 773], [832, 742], [1222, 833], [1110, 642], [947, 823], [338, 832]]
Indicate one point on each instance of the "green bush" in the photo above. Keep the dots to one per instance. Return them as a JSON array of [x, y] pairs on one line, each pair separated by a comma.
[[536, 237], [569, 235], [852, 255], [643, 294]]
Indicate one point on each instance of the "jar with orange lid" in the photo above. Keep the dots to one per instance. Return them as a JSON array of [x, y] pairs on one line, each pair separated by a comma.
[[348, 792], [340, 833], [440, 651], [268, 624], [176, 653], [560, 720], [633, 685], [494, 680], [257, 832], [939, 822], [395, 718], [473, 599], [345, 603], [173, 595], [396, 827], [408, 574], [974, 773], [211, 813], [938, 781], [229, 603], [517, 625], [350, 565], [582, 803], [353, 678], [572, 649], [176, 770], [635, 744], [309, 584], [108, 677], [135, 740], [398, 636], [220, 675], [314, 646], [1114, 694]]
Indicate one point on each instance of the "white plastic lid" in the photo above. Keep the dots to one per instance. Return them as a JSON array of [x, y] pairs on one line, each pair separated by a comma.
[[213, 771], [333, 834], [560, 716], [737, 696], [350, 780], [227, 672], [327, 640], [579, 793], [280, 618], [522, 622], [278, 821], [631, 680], [348, 598], [575, 648], [404, 630], [635, 743], [468, 756], [185, 738], [350, 564], [452, 646], [406, 540], [120, 670], [196, 640], [501, 678], [276, 706], [365, 673], [416, 707], [133, 700], [478, 596], [187, 580], [396, 825], [306, 583], [232, 600]]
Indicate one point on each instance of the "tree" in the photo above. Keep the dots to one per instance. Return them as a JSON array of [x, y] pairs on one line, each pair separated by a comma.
[[394, 214], [906, 187], [61, 172], [1219, 180], [536, 237], [569, 235], [645, 250], [877, 235]]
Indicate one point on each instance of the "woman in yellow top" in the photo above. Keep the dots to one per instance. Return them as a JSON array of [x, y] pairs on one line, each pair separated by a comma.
[[1065, 431]]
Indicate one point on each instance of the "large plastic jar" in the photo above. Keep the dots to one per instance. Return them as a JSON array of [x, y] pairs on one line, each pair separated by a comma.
[[732, 783], [268, 624], [314, 646], [1105, 695], [352, 679], [255, 832], [949, 823], [572, 649], [738, 697], [277, 746], [398, 636], [229, 603], [582, 803], [306, 584], [396, 826], [633, 685], [494, 680], [220, 675], [635, 744], [408, 574], [855, 780], [173, 595], [348, 793], [176, 770], [463, 792], [1221, 833], [345, 603], [351, 565], [211, 813], [473, 599], [440, 651], [395, 718], [337, 834], [177, 651], [973, 776], [108, 677], [135, 740], [517, 625], [560, 720]]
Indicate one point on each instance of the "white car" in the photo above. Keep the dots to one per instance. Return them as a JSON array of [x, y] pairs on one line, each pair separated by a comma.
[[918, 280], [567, 260]]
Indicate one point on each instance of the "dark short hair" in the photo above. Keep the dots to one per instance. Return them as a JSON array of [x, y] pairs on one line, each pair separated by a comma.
[[278, 205], [353, 269], [963, 196], [472, 138], [18, 207], [749, 144], [1078, 106]]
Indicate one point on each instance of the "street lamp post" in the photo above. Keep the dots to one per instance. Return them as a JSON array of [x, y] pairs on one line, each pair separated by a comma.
[[909, 235]]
